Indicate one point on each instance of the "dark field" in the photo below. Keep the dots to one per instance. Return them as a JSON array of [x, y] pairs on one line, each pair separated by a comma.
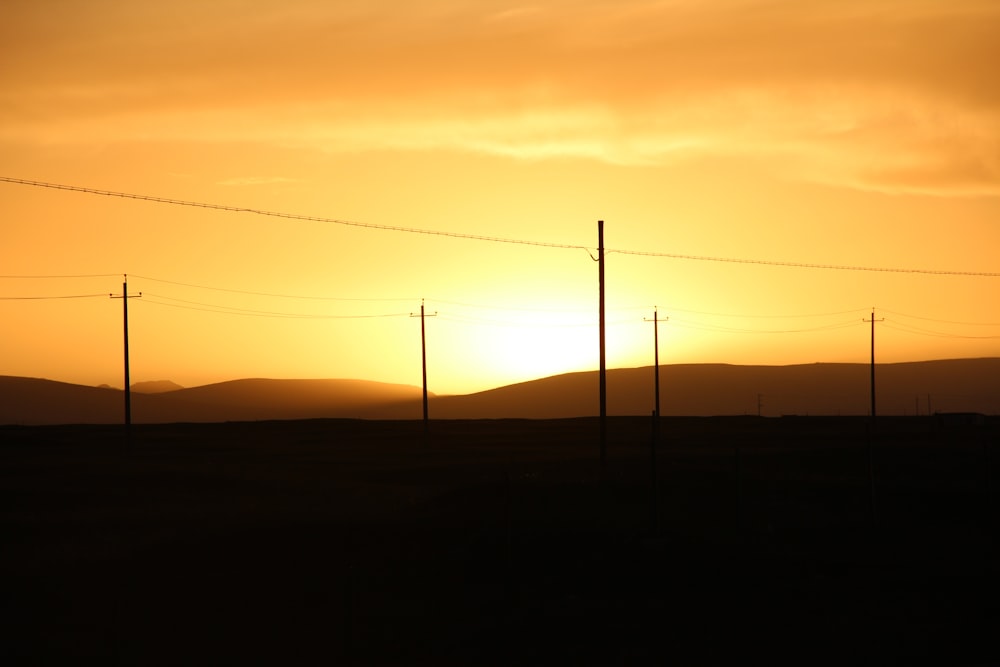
[[502, 542]]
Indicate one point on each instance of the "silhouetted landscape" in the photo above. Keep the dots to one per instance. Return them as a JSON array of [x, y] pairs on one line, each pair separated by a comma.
[[503, 542], [299, 521], [958, 385]]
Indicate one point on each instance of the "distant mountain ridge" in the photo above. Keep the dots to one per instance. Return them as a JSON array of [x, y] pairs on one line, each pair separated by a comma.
[[956, 385], [155, 387], [38, 401]]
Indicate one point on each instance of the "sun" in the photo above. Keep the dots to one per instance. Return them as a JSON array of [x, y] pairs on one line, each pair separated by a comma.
[[519, 348]]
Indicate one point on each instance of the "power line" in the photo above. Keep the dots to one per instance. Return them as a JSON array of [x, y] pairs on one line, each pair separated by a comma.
[[288, 216], [710, 327], [478, 321], [905, 328], [510, 308], [267, 294], [60, 296], [495, 239], [82, 275], [930, 319], [227, 310], [748, 316], [805, 265]]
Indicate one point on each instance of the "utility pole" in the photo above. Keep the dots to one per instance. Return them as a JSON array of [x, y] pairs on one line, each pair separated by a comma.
[[603, 366], [654, 495], [656, 357], [871, 430], [873, 321], [423, 361], [128, 388]]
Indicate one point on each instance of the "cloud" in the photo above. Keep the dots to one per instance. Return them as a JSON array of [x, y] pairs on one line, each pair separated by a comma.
[[895, 95]]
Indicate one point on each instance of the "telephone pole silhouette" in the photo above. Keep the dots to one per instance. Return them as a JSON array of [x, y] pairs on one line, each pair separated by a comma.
[[654, 495], [871, 429], [603, 366], [128, 389], [656, 357], [873, 321], [423, 361]]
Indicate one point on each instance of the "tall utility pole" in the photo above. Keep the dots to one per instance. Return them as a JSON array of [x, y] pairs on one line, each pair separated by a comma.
[[871, 430], [603, 366], [654, 514], [656, 358], [873, 321], [128, 387], [423, 361]]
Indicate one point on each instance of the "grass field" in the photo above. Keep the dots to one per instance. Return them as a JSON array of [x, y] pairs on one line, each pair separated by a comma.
[[502, 542]]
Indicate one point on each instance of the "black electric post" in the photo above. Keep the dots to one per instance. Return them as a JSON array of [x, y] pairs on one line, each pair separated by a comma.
[[655, 436], [873, 321], [423, 362], [871, 430], [603, 365], [656, 360], [128, 388]]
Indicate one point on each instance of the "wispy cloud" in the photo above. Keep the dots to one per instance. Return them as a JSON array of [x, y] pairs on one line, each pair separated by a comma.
[[893, 95]]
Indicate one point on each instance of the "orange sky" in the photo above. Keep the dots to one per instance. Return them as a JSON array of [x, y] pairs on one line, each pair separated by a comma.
[[860, 133]]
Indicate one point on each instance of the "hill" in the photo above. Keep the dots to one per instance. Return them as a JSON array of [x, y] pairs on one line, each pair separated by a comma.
[[958, 385], [37, 401], [155, 387], [966, 385]]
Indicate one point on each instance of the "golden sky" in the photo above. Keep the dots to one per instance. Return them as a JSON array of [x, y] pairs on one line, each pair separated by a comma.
[[860, 133]]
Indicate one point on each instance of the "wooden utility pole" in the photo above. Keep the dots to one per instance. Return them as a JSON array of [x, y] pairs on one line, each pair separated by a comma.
[[654, 514], [603, 365], [873, 321], [656, 359], [128, 386], [871, 431], [423, 361]]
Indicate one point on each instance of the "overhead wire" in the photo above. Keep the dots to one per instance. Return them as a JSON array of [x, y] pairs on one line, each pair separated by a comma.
[[229, 310], [901, 326], [720, 329], [805, 265], [464, 319], [931, 319], [288, 216], [750, 315], [495, 239], [79, 275], [59, 296], [269, 294]]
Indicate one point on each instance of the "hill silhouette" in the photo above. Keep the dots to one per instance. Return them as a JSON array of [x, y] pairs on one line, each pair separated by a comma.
[[155, 387], [37, 401], [957, 385], [967, 385]]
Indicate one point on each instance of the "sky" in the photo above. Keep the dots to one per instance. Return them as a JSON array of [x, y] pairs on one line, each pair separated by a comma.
[[459, 153]]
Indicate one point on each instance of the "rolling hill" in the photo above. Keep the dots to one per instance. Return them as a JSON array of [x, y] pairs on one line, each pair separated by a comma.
[[958, 385]]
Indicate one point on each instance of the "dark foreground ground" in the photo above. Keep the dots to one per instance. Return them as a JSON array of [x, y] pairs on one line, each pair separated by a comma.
[[501, 542]]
